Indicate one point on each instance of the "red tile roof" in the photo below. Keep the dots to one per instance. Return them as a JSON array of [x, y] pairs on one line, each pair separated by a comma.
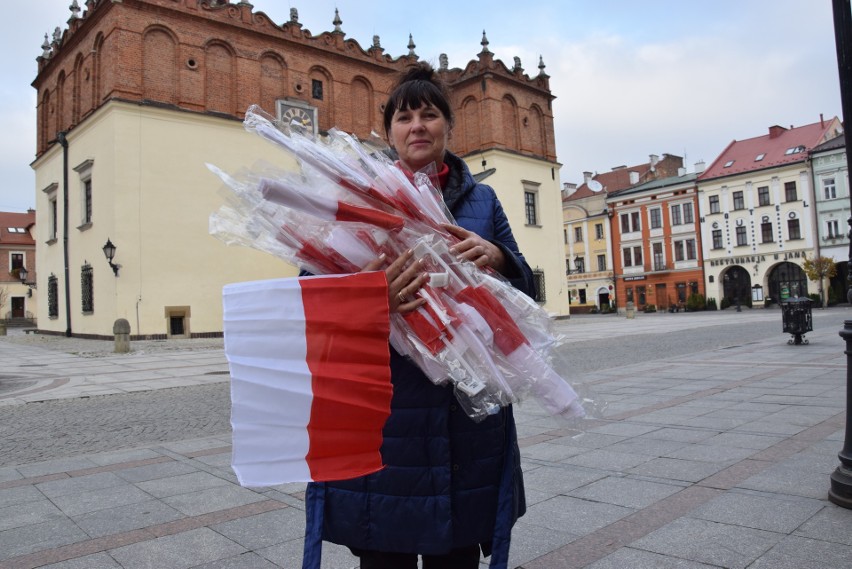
[[619, 178], [11, 220], [778, 147]]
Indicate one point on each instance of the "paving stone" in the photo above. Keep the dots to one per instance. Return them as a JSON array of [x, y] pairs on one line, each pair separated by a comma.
[[55, 466], [683, 435], [37, 537], [28, 513], [743, 440], [96, 561], [532, 541], [181, 484], [768, 512], [212, 500], [626, 492], [155, 471], [628, 557], [80, 484], [795, 552], [651, 448], [244, 561], [550, 452], [832, 523], [676, 469], [264, 530], [289, 554], [603, 459], [722, 545], [126, 518], [560, 479], [9, 473], [102, 499], [710, 453], [573, 515], [624, 429], [19, 495], [179, 551], [120, 456]]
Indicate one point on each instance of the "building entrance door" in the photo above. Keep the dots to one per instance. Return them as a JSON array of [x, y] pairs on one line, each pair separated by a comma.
[[737, 286], [18, 307], [787, 280], [662, 297]]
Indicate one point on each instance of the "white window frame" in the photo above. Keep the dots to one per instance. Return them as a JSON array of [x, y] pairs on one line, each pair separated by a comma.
[[829, 187], [52, 211], [84, 169], [532, 189]]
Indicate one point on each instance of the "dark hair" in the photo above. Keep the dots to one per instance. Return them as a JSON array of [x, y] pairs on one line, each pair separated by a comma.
[[419, 86]]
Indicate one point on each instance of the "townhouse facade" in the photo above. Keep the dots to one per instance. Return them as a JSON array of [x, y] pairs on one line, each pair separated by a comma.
[[831, 193], [135, 97], [657, 242], [17, 254], [588, 233], [756, 207]]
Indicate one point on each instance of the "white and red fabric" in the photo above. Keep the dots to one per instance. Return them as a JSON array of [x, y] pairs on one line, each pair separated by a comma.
[[310, 377]]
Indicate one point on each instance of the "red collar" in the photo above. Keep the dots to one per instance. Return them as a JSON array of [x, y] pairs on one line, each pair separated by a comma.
[[441, 180]]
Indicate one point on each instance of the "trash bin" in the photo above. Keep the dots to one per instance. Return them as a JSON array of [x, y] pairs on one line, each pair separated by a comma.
[[797, 318]]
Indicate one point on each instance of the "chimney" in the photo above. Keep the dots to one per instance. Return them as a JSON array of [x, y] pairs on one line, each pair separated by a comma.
[[587, 177], [634, 178], [776, 131], [654, 160], [568, 189], [821, 121], [699, 167]]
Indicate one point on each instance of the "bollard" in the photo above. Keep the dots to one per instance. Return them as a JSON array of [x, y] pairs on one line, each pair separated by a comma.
[[630, 310], [121, 329]]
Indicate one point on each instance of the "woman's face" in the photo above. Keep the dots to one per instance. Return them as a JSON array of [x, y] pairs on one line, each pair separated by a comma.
[[419, 136]]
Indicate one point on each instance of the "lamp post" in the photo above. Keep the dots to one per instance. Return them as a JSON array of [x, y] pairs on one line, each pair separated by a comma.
[[23, 273], [841, 479], [109, 253]]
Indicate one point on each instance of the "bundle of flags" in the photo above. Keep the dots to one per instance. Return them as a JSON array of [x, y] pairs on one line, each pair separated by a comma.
[[346, 206]]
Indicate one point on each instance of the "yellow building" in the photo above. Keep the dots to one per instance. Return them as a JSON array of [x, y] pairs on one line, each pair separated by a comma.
[[134, 98]]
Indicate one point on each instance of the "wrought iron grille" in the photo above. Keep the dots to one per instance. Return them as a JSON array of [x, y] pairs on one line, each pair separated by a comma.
[[538, 282], [87, 289], [52, 297]]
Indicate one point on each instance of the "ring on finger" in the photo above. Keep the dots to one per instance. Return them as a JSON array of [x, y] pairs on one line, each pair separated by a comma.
[[401, 297]]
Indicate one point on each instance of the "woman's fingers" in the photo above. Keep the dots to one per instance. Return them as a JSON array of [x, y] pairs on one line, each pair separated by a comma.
[[405, 279]]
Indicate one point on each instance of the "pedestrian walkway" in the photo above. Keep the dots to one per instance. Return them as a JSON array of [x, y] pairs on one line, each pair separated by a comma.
[[716, 459]]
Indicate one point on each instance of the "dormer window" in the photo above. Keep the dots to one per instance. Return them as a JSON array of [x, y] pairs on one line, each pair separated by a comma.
[[729, 163], [760, 157], [794, 150]]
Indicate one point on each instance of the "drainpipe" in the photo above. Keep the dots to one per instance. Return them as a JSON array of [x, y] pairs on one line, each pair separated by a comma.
[[63, 141]]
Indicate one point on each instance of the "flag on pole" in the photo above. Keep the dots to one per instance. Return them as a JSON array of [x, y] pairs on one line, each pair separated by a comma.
[[310, 377]]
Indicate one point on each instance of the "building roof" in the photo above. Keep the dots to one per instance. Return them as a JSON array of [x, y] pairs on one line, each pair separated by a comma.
[[833, 144], [656, 185], [780, 146], [614, 180], [15, 228]]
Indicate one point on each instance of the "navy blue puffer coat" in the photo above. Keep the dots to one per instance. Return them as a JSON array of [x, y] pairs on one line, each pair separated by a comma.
[[448, 482]]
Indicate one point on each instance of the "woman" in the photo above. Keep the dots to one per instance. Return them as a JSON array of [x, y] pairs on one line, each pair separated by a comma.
[[451, 487]]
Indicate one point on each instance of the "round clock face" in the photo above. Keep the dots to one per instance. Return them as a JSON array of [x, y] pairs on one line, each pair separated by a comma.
[[301, 116]]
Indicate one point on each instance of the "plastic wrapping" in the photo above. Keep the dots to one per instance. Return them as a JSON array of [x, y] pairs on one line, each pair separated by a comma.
[[347, 206]]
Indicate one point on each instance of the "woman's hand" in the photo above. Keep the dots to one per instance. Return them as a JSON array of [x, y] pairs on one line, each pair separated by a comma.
[[405, 279], [475, 249]]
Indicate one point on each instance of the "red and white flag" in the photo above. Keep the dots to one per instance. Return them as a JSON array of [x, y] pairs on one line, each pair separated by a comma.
[[310, 377]]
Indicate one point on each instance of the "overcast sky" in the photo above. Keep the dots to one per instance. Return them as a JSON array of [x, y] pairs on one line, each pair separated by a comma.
[[632, 78]]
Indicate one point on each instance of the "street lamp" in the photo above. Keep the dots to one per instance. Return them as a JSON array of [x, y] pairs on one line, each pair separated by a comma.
[[109, 253], [23, 273], [841, 479]]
